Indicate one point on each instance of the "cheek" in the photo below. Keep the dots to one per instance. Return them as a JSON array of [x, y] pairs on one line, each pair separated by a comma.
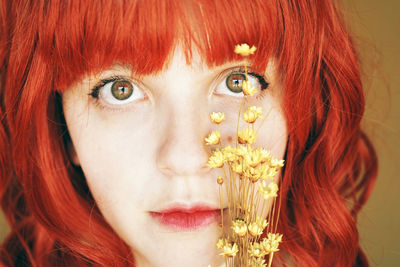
[[109, 153], [271, 127], [112, 159], [273, 133]]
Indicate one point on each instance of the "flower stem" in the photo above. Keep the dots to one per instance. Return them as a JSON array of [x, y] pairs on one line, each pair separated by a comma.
[[279, 212], [270, 259], [222, 210], [238, 120], [273, 214]]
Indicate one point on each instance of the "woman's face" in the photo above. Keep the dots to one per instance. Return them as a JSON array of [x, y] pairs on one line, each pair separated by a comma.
[[140, 143]]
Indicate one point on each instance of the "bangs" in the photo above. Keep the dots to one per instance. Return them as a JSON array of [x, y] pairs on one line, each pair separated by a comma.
[[89, 36]]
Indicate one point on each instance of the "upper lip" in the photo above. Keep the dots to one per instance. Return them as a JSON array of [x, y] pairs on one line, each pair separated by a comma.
[[186, 208]]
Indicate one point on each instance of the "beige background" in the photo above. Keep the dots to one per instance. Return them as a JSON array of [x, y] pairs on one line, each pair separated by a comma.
[[376, 29], [376, 26]]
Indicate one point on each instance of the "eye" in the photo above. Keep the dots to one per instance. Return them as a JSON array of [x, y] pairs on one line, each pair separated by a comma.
[[231, 83], [117, 91]]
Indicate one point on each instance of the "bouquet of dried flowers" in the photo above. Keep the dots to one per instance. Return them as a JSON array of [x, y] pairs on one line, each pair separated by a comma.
[[249, 184]]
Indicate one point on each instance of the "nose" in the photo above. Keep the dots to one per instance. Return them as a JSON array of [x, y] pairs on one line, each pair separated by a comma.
[[182, 151]]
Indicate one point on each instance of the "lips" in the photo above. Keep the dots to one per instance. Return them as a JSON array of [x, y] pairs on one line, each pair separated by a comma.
[[187, 218]]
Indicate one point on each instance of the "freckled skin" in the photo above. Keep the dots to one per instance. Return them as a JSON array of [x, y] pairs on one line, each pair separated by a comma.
[[144, 155]]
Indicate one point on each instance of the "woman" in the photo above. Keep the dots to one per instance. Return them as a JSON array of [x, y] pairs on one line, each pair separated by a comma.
[[104, 110]]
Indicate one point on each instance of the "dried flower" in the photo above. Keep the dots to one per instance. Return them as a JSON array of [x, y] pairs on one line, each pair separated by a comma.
[[256, 228], [277, 162], [221, 243], [237, 167], [243, 150], [240, 227], [213, 138], [248, 88], [266, 155], [257, 250], [254, 174], [253, 158], [268, 190], [216, 160], [271, 173], [230, 250], [256, 262], [229, 153], [261, 222], [217, 117], [251, 114], [247, 136], [271, 243], [244, 50], [245, 164]]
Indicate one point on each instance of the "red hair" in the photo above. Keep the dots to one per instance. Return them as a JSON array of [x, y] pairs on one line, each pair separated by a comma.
[[45, 46]]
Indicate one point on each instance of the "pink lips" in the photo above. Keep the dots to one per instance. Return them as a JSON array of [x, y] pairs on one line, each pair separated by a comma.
[[187, 219]]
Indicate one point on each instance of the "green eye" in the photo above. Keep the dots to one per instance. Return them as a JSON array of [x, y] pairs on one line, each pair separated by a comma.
[[122, 90], [234, 82]]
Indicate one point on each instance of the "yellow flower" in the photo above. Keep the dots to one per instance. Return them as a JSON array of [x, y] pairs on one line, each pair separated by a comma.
[[230, 250], [240, 227], [271, 243], [266, 155], [221, 243], [271, 173], [256, 228], [229, 153], [253, 158], [251, 114], [244, 50], [243, 150], [237, 167], [247, 136], [256, 250], [268, 191], [216, 160], [220, 180], [277, 162], [217, 117], [261, 222], [256, 262], [248, 88], [254, 174], [213, 138]]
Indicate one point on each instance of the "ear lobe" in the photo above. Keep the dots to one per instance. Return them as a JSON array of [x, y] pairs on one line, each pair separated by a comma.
[[72, 154]]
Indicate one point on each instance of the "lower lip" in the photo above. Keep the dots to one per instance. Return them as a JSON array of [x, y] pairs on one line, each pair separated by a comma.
[[187, 221]]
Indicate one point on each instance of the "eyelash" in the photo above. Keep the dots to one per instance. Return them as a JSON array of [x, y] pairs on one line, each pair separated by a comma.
[[94, 92], [264, 84]]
